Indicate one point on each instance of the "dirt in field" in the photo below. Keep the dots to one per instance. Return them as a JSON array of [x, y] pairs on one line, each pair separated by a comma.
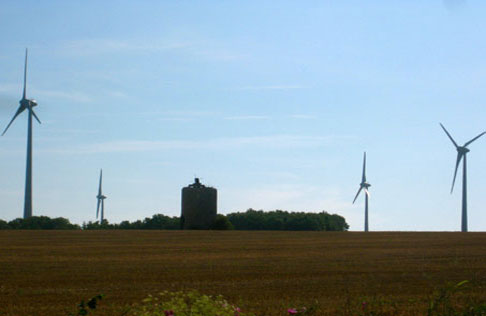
[[50, 272]]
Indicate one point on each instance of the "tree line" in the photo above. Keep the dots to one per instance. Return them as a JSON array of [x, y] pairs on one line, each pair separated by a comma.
[[283, 220], [249, 220]]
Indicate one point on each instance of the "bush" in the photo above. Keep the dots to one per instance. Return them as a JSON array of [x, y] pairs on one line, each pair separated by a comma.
[[221, 222], [186, 304]]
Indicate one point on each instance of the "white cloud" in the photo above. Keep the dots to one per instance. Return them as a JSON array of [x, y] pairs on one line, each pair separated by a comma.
[[204, 49], [273, 141], [247, 117], [75, 96], [107, 46], [271, 87], [177, 116], [303, 116], [10, 88], [44, 93], [288, 197]]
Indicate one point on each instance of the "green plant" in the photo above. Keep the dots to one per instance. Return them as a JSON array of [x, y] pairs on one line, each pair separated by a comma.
[[85, 308], [445, 303], [189, 303]]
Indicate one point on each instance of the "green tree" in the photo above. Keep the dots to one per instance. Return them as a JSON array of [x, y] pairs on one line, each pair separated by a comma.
[[283, 220], [221, 222], [4, 225]]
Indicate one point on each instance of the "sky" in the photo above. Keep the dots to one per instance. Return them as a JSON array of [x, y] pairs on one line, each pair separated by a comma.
[[272, 103]]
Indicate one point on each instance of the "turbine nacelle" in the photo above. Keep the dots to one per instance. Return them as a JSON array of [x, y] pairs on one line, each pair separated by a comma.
[[461, 151], [101, 200], [461, 157], [28, 103], [365, 185]]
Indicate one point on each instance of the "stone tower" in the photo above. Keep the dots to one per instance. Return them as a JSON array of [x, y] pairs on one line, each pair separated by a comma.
[[199, 206]]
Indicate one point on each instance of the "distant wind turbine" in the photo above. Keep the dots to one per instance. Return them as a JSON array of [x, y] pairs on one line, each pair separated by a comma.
[[26, 104], [364, 185], [101, 200], [461, 153]]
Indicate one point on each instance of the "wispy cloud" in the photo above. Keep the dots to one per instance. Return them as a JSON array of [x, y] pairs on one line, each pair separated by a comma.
[[271, 87], [220, 54], [75, 96], [10, 88], [273, 141], [303, 116], [177, 116], [7, 104], [203, 49], [73, 131], [106, 46], [286, 196], [45, 93], [247, 117], [454, 5]]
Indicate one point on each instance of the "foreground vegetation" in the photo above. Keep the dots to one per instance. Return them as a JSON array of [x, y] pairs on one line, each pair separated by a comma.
[[443, 303], [262, 273]]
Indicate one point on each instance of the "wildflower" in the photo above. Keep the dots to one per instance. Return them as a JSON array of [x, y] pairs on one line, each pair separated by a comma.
[[364, 304], [292, 311], [237, 311], [169, 313]]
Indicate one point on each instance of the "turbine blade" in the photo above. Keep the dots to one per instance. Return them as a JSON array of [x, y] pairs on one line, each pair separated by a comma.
[[458, 161], [25, 75], [101, 178], [357, 194], [33, 113], [19, 110], [469, 142], [98, 208], [363, 178], [367, 192], [450, 137]]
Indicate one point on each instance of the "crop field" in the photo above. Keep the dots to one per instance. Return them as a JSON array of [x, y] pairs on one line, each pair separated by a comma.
[[50, 272]]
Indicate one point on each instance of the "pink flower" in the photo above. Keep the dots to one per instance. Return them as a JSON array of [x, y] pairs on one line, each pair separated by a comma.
[[237, 311], [169, 313], [292, 311], [364, 304]]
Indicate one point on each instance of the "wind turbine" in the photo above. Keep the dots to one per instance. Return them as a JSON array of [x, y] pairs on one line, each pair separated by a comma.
[[26, 104], [364, 185], [101, 200], [461, 153]]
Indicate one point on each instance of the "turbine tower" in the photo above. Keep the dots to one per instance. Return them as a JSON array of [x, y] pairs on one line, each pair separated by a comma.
[[27, 104], [364, 185], [461, 153], [101, 200]]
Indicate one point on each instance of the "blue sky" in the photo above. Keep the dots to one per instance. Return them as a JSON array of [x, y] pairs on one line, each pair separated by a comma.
[[272, 103]]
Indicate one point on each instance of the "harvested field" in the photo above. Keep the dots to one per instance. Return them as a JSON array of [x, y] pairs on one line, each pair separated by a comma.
[[49, 272]]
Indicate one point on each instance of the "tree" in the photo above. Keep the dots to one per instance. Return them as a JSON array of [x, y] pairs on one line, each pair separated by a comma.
[[283, 220], [42, 222], [221, 222], [4, 225]]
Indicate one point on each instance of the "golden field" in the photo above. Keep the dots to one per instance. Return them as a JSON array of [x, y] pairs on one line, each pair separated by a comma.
[[50, 272]]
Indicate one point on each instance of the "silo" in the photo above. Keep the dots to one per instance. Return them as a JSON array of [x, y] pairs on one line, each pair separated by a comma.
[[199, 206]]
